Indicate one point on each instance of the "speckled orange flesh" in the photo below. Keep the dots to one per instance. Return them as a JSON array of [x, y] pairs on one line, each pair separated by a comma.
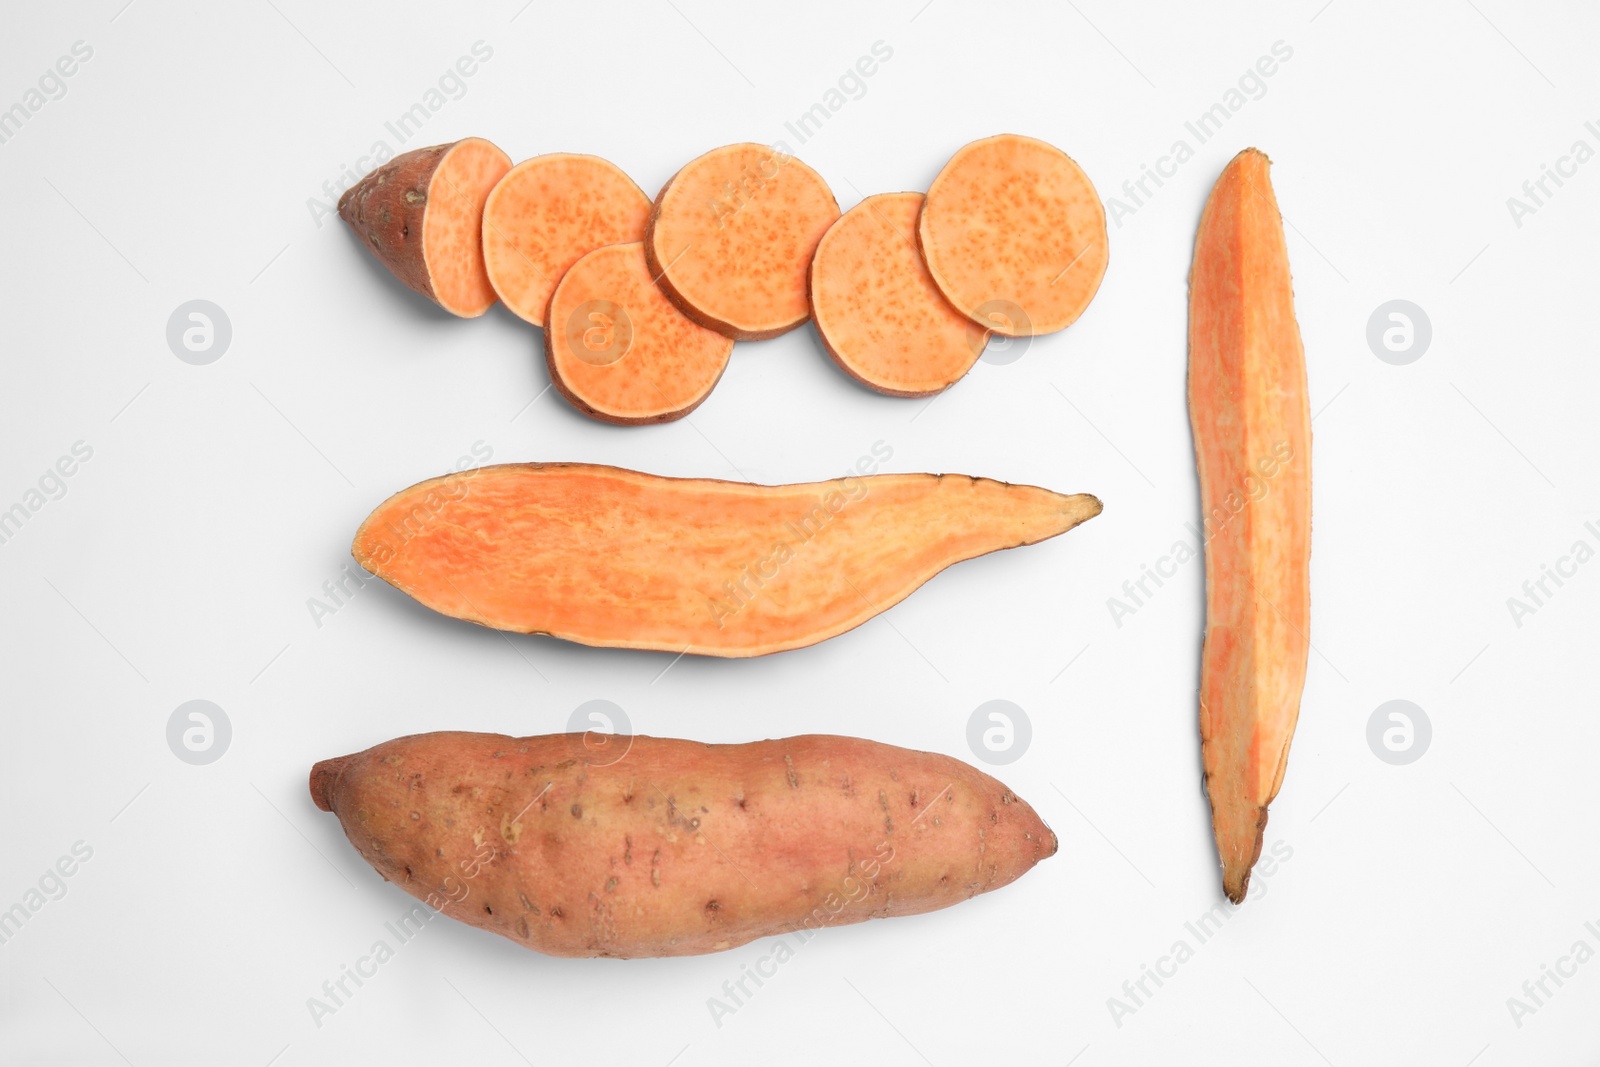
[[620, 351], [731, 238], [660, 847], [420, 214], [1013, 223], [876, 308], [605, 556], [1252, 430], [545, 214]]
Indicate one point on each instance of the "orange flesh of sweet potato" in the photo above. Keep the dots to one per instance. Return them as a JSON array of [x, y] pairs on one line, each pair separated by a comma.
[[421, 213], [1012, 222], [1252, 430], [876, 308], [619, 350], [731, 238], [545, 214], [605, 556], [675, 848]]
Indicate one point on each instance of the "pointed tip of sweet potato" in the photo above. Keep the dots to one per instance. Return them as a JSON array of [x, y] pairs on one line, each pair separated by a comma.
[[323, 776], [1077, 509], [1238, 863]]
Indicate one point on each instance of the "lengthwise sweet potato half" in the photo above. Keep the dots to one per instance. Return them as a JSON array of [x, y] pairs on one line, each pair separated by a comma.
[[731, 237], [1252, 433], [547, 213], [876, 308], [1014, 235], [673, 848], [421, 214], [620, 351], [604, 556]]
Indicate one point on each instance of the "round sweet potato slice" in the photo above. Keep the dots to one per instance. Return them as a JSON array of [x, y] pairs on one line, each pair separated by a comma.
[[876, 308], [1014, 235], [731, 237], [545, 214], [421, 215], [619, 350]]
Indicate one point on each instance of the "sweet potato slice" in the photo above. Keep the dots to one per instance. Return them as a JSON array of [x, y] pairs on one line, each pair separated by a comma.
[[421, 215], [622, 352], [1252, 433], [731, 238], [546, 213], [1014, 235], [675, 848], [876, 308], [613, 557]]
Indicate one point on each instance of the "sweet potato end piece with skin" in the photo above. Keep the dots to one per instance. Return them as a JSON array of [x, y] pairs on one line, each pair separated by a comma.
[[421, 215], [548, 212], [620, 351], [1012, 222], [1251, 418], [876, 309], [540, 841], [731, 236], [611, 557]]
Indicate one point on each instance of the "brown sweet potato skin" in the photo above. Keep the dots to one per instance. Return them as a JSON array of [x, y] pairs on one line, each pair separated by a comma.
[[385, 210], [421, 215], [677, 847]]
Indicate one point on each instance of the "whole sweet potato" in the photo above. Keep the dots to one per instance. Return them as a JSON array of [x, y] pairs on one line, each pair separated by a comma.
[[661, 847]]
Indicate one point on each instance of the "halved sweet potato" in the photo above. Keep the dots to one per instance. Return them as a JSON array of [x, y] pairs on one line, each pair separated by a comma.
[[676, 847], [876, 308], [731, 238], [421, 214], [545, 214], [1015, 235], [604, 556], [1252, 435], [619, 350]]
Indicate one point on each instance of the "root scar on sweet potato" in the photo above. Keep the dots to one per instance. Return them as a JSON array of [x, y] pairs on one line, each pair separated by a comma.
[[1252, 433]]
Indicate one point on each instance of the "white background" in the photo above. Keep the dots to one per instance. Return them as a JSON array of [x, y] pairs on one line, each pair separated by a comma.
[[181, 163]]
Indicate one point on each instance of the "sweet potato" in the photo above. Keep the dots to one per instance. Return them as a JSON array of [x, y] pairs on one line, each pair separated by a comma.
[[678, 848], [604, 556], [731, 237], [1013, 223], [876, 308], [545, 214], [1252, 433], [421, 214], [619, 350]]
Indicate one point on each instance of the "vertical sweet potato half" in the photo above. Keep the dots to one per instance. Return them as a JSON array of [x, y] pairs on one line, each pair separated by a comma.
[[604, 556], [675, 848], [546, 214], [876, 308], [421, 214], [1252, 433], [1014, 235], [731, 237], [619, 350]]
